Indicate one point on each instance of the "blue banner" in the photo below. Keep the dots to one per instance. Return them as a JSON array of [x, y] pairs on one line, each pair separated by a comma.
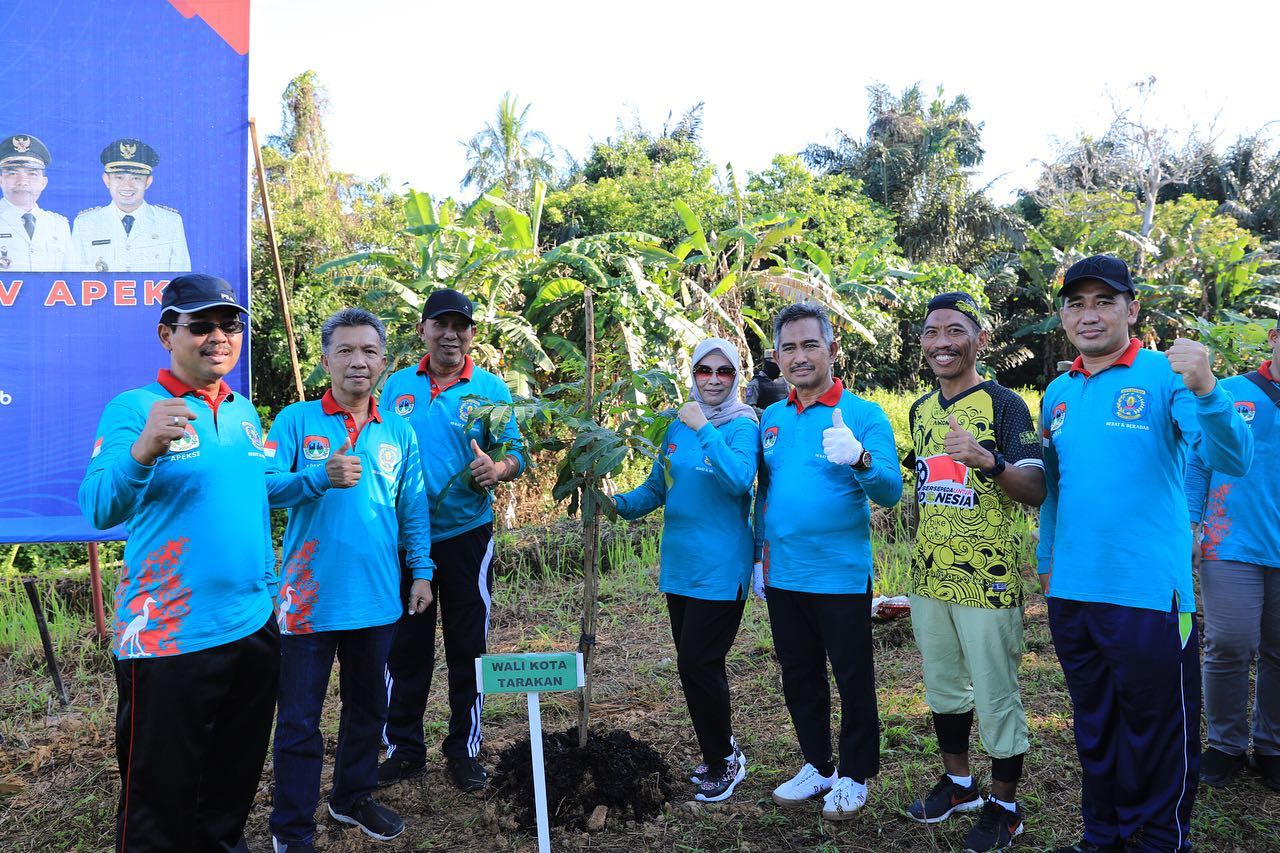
[[123, 162]]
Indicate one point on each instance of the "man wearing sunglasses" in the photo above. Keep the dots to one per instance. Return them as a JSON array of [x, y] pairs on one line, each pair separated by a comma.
[[31, 239], [437, 396], [180, 462]]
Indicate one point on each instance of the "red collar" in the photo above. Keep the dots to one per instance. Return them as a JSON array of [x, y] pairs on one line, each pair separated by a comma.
[[467, 366], [1270, 370], [178, 388], [1125, 360], [830, 397], [330, 406]]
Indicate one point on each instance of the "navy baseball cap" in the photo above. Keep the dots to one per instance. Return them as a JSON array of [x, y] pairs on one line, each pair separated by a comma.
[[957, 301], [445, 301], [1107, 269], [192, 292]]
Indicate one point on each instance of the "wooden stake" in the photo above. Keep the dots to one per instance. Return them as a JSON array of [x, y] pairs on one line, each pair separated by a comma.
[[95, 581], [275, 260], [590, 541], [43, 628]]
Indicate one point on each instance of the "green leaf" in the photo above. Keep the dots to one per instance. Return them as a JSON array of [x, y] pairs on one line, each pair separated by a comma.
[[693, 226]]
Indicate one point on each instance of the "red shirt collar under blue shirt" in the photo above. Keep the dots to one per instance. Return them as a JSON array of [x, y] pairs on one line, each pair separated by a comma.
[[330, 406], [178, 388], [467, 367], [830, 397], [1125, 360]]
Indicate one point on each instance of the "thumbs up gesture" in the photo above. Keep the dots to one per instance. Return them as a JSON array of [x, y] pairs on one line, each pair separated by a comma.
[[964, 448], [343, 468], [483, 469], [838, 442], [1190, 360]]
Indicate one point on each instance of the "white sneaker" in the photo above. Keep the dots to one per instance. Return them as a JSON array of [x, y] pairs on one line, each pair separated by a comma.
[[844, 799], [803, 786]]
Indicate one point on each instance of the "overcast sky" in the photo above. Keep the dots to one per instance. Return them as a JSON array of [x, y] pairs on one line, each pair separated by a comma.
[[408, 80]]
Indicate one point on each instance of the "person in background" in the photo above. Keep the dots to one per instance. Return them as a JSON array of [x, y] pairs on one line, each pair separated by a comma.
[[32, 239], [1239, 521], [709, 458], [766, 386]]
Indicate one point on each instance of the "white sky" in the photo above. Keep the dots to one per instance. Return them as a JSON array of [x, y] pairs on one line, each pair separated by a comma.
[[408, 79]]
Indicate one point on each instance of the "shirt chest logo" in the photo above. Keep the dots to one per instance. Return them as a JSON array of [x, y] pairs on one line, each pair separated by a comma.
[[388, 459], [1246, 409], [770, 437], [1131, 404], [189, 441], [942, 481], [465, 408], [315, 447], [671, 449], [251, 432], [1057, 417], [404, 405]]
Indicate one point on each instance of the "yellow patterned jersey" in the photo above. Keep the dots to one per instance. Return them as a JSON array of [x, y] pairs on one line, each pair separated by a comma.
[[964, 545]]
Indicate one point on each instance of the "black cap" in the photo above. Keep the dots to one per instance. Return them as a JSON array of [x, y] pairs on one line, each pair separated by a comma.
[[1107, 269], [23, 149], [446, 301], [957, 301], [130, 156], [192, 292]]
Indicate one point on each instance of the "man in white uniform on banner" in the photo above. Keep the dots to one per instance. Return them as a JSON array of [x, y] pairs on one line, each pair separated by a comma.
[[130, 234], [31, 239]]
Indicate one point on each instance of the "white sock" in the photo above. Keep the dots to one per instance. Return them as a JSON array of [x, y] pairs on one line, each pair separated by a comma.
[[1013, 807], [962, 781]]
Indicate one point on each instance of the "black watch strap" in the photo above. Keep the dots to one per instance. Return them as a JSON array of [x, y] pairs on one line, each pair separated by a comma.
[[995, 470]]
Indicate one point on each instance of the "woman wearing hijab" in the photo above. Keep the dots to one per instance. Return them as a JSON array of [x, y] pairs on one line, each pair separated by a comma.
[[704, 479]]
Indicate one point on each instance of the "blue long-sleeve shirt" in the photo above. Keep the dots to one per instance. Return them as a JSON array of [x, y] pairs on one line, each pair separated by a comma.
[[438, 417], [341, 568], [1114, 526], [816, 516], [706, 529], [199, 568], [1241, 514]]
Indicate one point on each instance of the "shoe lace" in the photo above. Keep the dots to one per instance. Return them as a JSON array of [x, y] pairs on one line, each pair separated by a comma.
[[989, 820], [843, 788]]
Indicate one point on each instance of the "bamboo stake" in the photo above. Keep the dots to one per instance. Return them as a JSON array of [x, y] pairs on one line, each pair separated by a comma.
[[590, 542], [275, 260], [95, 581]]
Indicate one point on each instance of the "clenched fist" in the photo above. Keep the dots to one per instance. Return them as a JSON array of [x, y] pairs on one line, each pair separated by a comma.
[[166, 422], [1190, 360]]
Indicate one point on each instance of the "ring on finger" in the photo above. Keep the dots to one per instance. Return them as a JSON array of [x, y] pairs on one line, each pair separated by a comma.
[[176, 420]]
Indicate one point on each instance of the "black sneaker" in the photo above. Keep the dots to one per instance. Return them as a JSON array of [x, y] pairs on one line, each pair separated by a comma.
[[700, 772], [1268, 767], [278, 846], [468, 774], [717, 788], [376, 820], [1090, 847], [396, 769], [1218, 768], [945, 799], [995, 829]]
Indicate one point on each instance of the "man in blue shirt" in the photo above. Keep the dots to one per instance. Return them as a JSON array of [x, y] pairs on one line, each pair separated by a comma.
[[827, 454], [1116, 570], [340, 585], [180, 463], [1240, 585], [437, 397]]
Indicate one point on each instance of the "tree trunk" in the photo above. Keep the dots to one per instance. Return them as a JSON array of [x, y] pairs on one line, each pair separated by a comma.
[[590, 540]]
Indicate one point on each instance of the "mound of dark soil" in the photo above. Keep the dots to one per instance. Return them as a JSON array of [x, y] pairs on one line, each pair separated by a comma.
[[613, 769]]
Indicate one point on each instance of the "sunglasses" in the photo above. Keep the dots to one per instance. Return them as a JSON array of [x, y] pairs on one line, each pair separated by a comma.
[[200, 328], [723, 372]]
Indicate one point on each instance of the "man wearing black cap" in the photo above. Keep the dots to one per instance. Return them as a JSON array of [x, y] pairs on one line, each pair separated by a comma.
[[438, 396], [130, 234], [31, 239], [1115, 536], [975, 452], [180, 463]]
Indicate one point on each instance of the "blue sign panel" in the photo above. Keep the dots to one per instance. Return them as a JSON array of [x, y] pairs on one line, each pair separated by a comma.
[[123, 162]]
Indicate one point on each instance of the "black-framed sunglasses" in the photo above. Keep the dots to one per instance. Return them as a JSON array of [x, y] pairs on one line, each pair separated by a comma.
[[200, 328], [723, 372]]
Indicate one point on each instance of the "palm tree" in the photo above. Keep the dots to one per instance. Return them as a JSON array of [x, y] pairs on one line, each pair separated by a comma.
[[503, 154]]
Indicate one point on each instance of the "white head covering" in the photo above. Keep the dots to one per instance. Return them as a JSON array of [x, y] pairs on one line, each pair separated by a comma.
[[732, 407]]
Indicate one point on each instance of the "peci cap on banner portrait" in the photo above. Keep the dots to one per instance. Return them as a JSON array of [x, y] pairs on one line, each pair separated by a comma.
[[120, 169]]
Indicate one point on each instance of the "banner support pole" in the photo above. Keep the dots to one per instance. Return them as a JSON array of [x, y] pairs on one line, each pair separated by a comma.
[[275, 260], [95, 582]]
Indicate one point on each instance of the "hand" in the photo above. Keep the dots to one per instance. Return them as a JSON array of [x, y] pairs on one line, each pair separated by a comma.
[[1044, 583], [342, 468], [484, 470], [838, 442], [964, 448], [757, 580], [690, 415], [1197, 547], [419, 597], [1190, 360], [166, 422]]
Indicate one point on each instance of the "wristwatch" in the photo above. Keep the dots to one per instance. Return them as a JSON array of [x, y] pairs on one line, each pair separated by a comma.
[[864, 461], [995, 470]]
